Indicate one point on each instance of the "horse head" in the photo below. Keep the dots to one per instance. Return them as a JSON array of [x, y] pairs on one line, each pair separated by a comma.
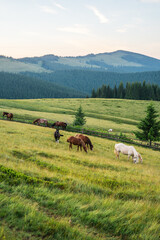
[[91, 147], [53, 125]]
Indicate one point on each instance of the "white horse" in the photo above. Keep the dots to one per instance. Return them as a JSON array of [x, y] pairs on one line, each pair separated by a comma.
[[127, 150]]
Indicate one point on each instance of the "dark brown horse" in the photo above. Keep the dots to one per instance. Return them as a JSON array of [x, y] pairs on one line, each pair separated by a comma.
[[57, 135], [9, 115], [59, 124], [85, 139], [76, 141], [40, 120]]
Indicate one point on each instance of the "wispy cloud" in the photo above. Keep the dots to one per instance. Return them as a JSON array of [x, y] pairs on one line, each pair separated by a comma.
[[77, 28], [98, 14], [125, 28], [59, 6], [47, 9]]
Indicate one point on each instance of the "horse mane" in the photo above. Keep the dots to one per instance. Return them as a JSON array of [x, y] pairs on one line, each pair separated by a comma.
[[36, 120]]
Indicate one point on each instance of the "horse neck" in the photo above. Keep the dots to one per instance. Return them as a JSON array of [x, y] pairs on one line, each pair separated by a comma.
[[135, 153], [36, 120]]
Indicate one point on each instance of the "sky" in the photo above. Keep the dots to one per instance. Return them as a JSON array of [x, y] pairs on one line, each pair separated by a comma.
[[76, 28]]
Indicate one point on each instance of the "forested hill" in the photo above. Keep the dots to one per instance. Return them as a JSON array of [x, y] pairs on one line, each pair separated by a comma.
[[16, 86], [85, 81]]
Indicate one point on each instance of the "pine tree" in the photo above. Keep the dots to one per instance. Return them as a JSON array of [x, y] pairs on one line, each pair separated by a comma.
[[149, 126], [79, 117], [93, 93]]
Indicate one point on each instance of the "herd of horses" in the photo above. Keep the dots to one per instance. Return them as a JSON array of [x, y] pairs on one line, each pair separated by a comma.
[[82, 141]]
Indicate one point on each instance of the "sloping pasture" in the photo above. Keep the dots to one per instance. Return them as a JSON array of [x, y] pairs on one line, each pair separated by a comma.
[[101, 114], [49, 192]]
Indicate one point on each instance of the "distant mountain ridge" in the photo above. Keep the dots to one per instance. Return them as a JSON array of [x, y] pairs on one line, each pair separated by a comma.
[[54, 76], [119, 61]]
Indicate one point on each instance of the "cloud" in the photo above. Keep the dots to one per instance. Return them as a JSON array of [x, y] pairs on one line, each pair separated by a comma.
[[100, 16], [48, 9], [59, 6], [75, 29], [125, 28]]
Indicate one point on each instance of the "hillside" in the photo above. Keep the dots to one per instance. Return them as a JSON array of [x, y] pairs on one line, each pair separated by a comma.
[[119, 61], [101, 114], [17, 86], [85, 80], [49, 192], [8, 64]]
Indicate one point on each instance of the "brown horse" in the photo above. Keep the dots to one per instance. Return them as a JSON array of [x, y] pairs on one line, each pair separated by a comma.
[[9, 115], [76, 141], [40, 120], [5, 113], [59, 124], [85, 139]]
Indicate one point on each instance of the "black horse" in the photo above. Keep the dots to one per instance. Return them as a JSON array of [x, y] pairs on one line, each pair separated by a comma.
[[57, 135]]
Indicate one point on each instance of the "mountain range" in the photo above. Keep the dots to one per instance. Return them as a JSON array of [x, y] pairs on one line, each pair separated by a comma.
[[54, 76], [118, 61]]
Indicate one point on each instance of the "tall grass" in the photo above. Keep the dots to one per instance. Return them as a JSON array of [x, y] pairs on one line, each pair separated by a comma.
[[51, 192]]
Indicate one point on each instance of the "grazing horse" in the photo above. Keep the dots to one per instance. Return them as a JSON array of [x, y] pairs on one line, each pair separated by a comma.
[[40, 120], [5, 113], [77, 141], [85, 139], [59, 124], [127, 150], [9, 115], [57, 135]]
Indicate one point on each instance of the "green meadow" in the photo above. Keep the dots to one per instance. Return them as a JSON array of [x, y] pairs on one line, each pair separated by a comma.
[[50, 192], [101, 114]]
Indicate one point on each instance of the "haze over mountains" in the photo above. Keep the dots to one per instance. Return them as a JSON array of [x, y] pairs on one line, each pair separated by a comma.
[[81, 73], [118, 61]]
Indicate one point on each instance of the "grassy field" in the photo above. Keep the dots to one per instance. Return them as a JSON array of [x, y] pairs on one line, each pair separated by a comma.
[[101, 114], [49, 192]]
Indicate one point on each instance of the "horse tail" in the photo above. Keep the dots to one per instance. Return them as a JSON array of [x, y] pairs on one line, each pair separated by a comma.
[[90, 144], [84, 146]]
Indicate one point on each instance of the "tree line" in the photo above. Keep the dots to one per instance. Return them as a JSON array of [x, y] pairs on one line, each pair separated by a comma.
[[85, 80], [136, 90], [18, 86]]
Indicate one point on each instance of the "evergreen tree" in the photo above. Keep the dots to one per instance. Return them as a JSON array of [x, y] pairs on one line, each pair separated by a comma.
[[115, 92], [93, 93], [120, 91], [79, 117], [149, 126]]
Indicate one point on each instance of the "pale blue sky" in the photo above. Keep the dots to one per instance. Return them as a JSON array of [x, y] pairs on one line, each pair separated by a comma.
[[72, 28]]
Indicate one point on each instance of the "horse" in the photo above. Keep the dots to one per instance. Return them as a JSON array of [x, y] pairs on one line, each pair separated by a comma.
[[110, 130], [57, 135], [5, 113], [9, 115], [127, 150], [76, 141], [40, 120], [85, 139], [60, 124]]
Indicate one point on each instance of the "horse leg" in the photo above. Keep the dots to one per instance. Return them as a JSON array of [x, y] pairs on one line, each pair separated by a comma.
[[116, 153], [70, 146]]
